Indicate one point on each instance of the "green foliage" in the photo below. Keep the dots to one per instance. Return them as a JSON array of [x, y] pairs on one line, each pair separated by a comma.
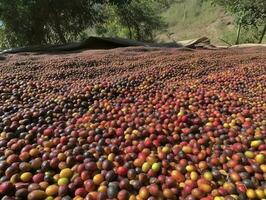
[[34, 22], [135, 20], [250, 14], [248, 35], [3, 42], [31, 22]]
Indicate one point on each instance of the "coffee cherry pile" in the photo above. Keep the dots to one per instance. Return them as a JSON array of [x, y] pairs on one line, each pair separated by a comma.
[[134, 124]]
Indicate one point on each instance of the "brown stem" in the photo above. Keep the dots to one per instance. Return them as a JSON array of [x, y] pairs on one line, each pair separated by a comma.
[[58, 29], [263, 33], [238, 33]]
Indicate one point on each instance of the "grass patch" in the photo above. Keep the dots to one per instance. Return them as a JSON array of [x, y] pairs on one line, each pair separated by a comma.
[[195, 18]]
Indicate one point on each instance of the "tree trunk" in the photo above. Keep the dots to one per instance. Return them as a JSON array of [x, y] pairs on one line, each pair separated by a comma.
[[127, 21], [130, 32], [185, 13], [262, 34], [58, 29], [138, 34], [139, 37], [129, 29], [238, 33]]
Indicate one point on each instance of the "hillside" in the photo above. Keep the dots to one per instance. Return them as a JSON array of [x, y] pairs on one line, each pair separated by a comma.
[[195, 18]]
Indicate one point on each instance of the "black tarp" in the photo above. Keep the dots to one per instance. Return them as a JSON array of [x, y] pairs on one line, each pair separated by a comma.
[[108, 43]]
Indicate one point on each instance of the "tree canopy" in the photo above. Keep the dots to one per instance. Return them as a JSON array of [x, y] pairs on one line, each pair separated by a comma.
[[247, 13], [30, 22], [34, 22], [137, 19]]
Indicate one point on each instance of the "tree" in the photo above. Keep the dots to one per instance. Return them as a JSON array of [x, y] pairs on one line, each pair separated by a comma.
[[35, 22], [136, 19], [32, 22], [247, 13]]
